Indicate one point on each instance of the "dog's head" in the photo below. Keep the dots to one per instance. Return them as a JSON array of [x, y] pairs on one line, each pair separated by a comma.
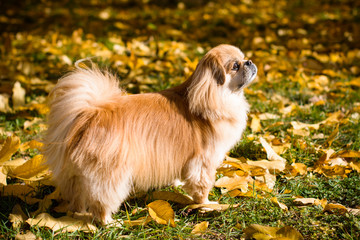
[[222, 72]]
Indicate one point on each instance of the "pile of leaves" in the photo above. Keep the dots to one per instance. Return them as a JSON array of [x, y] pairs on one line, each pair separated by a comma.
[[295, 173]]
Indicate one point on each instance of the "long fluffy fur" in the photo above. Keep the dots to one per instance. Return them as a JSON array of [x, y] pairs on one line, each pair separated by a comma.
[[102, 144]]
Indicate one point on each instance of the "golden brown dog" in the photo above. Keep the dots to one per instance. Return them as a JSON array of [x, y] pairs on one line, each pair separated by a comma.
[[103, 144]]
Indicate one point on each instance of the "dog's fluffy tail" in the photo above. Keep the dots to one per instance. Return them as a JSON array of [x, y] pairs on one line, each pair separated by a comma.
[[79, 91]]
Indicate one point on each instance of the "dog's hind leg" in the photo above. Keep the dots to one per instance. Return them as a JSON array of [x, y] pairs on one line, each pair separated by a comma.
[[107, 196]]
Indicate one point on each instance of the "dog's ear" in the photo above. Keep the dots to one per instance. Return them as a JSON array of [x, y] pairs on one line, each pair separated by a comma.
[[203, 91], [212, 62]]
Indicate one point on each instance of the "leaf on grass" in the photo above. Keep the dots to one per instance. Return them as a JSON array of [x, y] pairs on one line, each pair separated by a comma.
[[295, 169], [2, 178], [32, 170], [138, 222], [310, 201], [17, 216], [4, 103], [64, 223], [346, 154], [172, 196], [27, 236], [162, 212], [331, 138], [259, 232], [268, 179], [354, 211], [335, 208], [10, 147], [18, 96], [9, 166], [235, 182], [212, 207], [275, 201], [200, 228], [271, 154], [255, 124], [272, 166], [23, 192]]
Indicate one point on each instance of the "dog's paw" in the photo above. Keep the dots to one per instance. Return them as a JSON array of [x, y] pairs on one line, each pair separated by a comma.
[[115, 223]]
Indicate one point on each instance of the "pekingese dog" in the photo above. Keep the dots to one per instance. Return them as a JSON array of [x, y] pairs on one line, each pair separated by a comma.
[[102, 144]]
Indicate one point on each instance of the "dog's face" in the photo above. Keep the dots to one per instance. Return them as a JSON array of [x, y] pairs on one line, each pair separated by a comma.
[[230, 68]]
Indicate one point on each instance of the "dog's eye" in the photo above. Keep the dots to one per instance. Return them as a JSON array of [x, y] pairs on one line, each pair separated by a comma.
[[236, 67]]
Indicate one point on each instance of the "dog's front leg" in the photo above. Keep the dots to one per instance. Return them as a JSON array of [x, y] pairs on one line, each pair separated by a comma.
[[199, 178]]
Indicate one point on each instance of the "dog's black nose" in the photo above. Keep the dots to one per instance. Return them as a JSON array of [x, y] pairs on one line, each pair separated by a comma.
[[248, 62]]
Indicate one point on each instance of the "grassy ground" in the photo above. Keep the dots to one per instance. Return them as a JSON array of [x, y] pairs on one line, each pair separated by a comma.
[[308, 57]]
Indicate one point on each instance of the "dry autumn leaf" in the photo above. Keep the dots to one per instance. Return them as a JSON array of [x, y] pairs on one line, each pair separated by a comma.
[[62, 224], [212, 207], [17, 216], [275, 201], [200, 228], [10, 146], [138, 222], [32, 170], [162, 212], [259, 232]]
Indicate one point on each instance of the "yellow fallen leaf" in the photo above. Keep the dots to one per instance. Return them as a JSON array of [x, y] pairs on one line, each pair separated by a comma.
[[355, 166], [171, 196], [271, 154], [10, 147], [255, 124], [138, 222], [235, 182], [252, 170], [295, 169], [9, 166], [268, 179], [32, 170], [4, 103], [26, 236], [2, 178], [354, 211], [267, 116], [212, 207], [162, 212], [331, 138], [18, 96], [63, 224], [346, 154], [275, 165], [17, 216], [335, 208], [200, 228], [16, 190], [275, 201], [259, 232], [300, 125]]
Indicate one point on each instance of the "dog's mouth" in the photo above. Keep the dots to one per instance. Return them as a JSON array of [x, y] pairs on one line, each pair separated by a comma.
[[249, 75]]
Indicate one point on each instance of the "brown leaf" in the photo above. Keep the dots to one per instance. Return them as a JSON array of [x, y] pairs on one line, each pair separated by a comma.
[[27, 236], [63, 224], [275, 201], [200, 228], [212, 207], [17, 216], [10, 147], [162, 212], [32, 170], [259, 232], [138, 222]]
